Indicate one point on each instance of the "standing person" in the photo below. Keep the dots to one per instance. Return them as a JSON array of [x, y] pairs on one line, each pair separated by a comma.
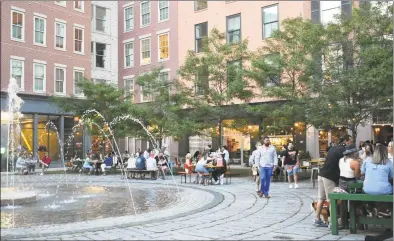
[[329, 176], [253, 161], [291, 164], [268, 160], [226, 154]]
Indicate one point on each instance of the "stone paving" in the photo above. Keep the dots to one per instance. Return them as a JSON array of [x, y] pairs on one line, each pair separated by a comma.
[[227, 212]]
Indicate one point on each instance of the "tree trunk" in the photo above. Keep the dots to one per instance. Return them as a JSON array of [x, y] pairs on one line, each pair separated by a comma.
[[353, 129], [220, 133]]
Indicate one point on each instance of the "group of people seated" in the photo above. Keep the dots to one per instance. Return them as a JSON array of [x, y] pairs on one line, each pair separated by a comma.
[[94, 163], [26, 162], [156, 161], [346, 164], [208, 162]]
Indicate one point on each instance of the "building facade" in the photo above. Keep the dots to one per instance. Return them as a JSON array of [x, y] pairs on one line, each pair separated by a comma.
[[45, 47], [148, 38]]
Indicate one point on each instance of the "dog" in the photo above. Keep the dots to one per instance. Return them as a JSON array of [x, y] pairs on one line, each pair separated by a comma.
[[325, 212]]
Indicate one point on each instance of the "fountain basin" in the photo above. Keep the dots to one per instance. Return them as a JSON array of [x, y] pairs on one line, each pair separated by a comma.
[[11, 196]]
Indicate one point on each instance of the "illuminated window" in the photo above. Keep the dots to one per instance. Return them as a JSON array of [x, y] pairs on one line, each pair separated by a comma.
[[163, 46]]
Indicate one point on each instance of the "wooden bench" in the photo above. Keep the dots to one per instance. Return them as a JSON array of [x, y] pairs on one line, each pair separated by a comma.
[[353, 199], [132, 173]]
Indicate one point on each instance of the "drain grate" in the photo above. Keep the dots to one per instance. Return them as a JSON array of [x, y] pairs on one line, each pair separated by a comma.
[[283, 237]]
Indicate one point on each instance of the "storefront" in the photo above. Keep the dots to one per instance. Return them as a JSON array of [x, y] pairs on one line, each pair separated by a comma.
[[42, 128], [329, 137]]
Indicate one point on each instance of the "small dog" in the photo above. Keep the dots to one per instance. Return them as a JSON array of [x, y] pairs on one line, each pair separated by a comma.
[[325, 212]]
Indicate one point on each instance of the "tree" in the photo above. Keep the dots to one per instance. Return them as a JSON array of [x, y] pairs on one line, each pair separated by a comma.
[[215, 78], [164, 112], [283, 69], [333, 75], [357, 66]]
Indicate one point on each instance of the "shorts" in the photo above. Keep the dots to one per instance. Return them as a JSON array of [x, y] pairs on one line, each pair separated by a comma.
[[255, 170], [325, 186], [292, 169]]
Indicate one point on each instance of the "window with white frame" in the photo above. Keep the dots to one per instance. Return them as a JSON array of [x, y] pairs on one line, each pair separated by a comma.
[[164, 53], [129, 54], [202, 81], [129, 18], [78, 77], [78, 40], [17, 72], [18, 25], [100, 54], [39, 70], [100, 81], [201, 31], [60, 80], [234, 29], [39, 30], [100, 18], [270, 20], [61, 3], [164, 10], [78, 4], [145, 13], [164, 76], [329, 9], [145, 51], [60, 35], [129, 89]]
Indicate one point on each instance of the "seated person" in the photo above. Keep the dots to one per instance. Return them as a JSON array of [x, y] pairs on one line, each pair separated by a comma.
[[131, 163], [151, 165], [87, 164], [218, 172], [188, 164], [163, 165], [45, 162], [31, 163], [141, 162], [349, 167], [107, 163], [201, 166], [378, 172], [22, 164]]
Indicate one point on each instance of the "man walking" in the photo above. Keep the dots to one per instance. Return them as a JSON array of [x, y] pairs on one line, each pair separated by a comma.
[[255, 166], [329, 176], [268, 160]]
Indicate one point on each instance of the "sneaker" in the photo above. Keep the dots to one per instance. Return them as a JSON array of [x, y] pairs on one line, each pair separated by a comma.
[[42, 174], [217, 182], [317, 221], [296, 186], [290, 186], [221, 181]]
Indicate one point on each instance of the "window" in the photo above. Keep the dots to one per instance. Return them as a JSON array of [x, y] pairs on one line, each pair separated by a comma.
[[274, 73], [145, 14], [17, 72], [233, 70], [329, 10], [129, 54], [164, 76], [200, 5], [101, 17], [60, 36], [78, 40], [100, 53], [202, 82], [60, 77], [39, 31], [18, 24], [129, 18], [39, 77], [145, 51], [201, 31], [164, 47], [163, 10], [78, 76], [270, 20], [100, 81], [129, 89], [78, 5], [61, 3], [234, 29]]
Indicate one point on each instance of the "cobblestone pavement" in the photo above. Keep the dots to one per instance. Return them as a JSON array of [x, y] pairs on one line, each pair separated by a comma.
[[228, 212]]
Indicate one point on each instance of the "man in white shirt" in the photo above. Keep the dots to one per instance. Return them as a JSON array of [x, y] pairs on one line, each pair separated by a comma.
[[267, 160]]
